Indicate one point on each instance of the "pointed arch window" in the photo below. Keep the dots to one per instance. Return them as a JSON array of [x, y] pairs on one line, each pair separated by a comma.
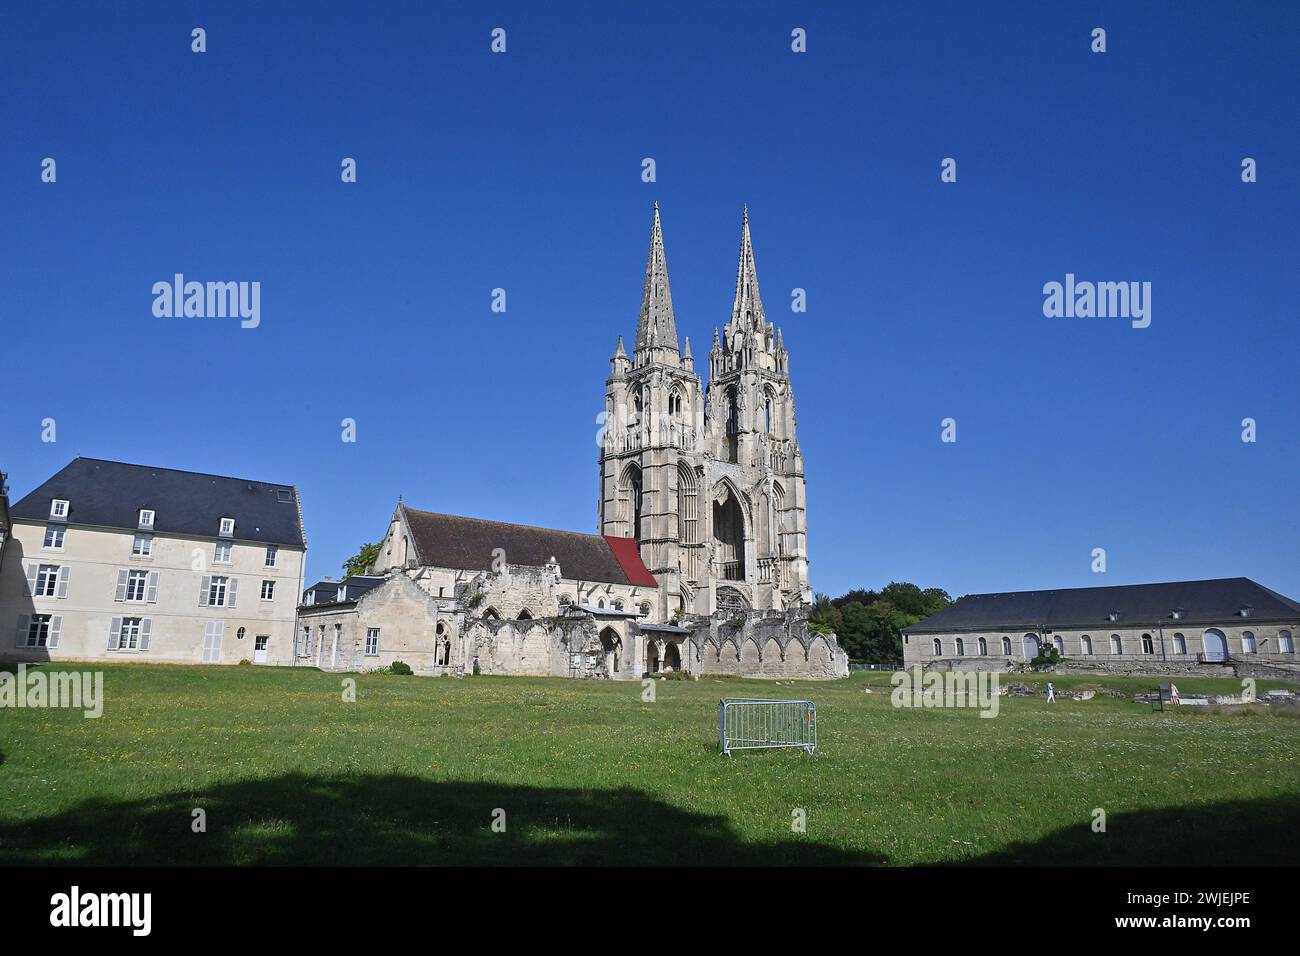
[[688, 505], [733, 427]]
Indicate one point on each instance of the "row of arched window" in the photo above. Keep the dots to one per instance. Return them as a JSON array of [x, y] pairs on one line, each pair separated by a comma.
[[1249, 645]]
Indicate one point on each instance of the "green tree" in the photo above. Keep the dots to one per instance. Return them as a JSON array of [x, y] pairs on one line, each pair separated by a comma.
[[362, 561], [870, 624]]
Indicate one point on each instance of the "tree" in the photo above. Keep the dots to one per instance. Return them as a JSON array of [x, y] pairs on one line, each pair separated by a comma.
[[362, 561], [870, 624]]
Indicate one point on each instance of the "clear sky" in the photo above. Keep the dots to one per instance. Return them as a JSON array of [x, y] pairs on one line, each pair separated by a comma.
[[522, 171]]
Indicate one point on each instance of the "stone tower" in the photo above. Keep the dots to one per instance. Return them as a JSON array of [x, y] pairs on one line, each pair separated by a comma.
[[709, 482]]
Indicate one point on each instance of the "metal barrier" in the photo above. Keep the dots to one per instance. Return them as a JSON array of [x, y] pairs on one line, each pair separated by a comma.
[[754, 723]]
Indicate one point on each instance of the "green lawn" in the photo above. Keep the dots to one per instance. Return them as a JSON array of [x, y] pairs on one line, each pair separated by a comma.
[[587, 773]]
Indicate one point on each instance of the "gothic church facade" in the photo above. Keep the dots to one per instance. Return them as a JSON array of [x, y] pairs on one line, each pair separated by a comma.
[[709, 480]]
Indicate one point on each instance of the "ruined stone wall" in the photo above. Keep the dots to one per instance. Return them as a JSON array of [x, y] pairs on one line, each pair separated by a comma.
[[767, 645]]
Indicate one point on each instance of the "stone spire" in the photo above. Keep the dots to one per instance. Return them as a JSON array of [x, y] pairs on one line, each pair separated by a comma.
[[747, 297], [657, 328]]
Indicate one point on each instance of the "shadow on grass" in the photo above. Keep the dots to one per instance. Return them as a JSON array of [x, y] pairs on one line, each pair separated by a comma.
[[397, 820], [1229, 833]]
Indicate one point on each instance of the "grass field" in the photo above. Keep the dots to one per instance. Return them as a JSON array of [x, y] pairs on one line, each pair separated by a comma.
[[412, 772]]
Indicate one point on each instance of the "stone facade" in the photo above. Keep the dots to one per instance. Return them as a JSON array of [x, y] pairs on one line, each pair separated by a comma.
[[701, 561], [74, 587], [708, 481]]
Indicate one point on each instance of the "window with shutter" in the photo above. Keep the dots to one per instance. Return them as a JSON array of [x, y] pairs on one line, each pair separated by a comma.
[[20, 635], [204, 588], [120, 593], [146, 626], [232, 592], [64, 571], [114, 633], [151, 589], [56, 626], [33, 572]]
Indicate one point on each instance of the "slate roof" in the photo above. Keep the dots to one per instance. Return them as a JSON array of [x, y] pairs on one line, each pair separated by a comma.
[[110, 494], [1201, 602], [451, 541], [357, 585]]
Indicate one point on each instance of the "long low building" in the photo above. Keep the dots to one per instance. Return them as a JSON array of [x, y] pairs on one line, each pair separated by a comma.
[[1172, 627], [113, 561]]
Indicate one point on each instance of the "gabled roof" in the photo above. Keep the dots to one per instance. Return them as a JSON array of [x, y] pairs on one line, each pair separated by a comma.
[[110, 494], [469, 544], [1138, 605]]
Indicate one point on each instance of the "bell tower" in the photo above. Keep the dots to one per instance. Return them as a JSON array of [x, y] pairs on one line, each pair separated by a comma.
[[710, 482], [759, 522], [650, 457]]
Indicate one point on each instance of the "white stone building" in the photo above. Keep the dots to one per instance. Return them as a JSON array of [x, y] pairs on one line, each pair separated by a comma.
[[1179, 627], [111, 561], [708, 480], [701, 561]]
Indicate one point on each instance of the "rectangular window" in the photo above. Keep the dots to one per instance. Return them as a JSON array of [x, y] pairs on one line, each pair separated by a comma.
[[268, 590], [54, 536], [135, 584], [213, 632], [221, 554], [142, 545], [217, 592], [372, 642], [59, 509], [129, 637], [272, 552], [47, 580], [38, 630], [227, 527], [146, 519]]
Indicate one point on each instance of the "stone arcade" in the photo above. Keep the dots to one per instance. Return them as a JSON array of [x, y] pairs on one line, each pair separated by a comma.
[[701, 563]]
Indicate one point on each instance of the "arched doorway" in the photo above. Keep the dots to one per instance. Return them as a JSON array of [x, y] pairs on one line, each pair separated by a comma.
[[612, 646], [651, 657], [729, 537], [1030, 646], [672, 658], [1216, 645]]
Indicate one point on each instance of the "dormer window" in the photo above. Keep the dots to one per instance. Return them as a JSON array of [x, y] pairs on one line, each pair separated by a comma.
[[227, 529], [1177, 614], [146, 519], [1113, 615], [342, 594], [59, 509], [1246, 609]]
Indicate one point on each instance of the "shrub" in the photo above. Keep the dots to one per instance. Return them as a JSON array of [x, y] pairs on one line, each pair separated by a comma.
[[400, 667], [245, 661], [1047, 658]]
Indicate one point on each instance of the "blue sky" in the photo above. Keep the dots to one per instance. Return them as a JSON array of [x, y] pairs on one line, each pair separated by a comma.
[[522, 171]]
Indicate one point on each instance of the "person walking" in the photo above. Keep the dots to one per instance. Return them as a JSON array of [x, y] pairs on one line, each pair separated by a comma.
[[1051, 693]]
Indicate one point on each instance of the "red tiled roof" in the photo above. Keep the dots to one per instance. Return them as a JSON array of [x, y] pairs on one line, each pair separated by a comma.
[[629, 558]]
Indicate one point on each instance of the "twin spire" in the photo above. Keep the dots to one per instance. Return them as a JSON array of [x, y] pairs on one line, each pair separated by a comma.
[[657, 326]]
